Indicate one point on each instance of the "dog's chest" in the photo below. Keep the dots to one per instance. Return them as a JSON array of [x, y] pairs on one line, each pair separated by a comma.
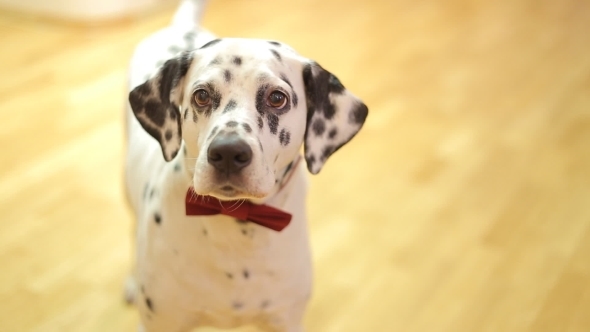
[[215, 266]]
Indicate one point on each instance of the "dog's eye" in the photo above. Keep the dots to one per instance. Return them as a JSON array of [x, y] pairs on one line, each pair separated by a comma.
[[202, 98], [277, 99]]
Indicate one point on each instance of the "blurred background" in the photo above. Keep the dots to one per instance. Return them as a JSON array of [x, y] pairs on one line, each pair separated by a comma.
[[463, 205]]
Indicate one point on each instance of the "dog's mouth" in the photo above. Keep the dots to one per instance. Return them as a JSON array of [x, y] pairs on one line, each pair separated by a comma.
[[230, 186], [229, 191], [232, 192]]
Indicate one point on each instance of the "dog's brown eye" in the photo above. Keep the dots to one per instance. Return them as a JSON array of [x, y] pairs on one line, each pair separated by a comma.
[[202, 98], [277, 99]]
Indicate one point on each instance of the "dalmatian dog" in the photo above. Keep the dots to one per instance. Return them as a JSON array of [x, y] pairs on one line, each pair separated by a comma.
[[224, 120]]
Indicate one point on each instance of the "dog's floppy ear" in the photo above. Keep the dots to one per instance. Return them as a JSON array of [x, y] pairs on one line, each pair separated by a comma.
[[156, 102], [334, 115]]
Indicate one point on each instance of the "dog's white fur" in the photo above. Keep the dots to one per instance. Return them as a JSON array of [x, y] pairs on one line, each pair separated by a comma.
[[193, 271]]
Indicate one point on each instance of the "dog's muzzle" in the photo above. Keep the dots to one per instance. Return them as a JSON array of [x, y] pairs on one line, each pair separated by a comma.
[[228, 153]]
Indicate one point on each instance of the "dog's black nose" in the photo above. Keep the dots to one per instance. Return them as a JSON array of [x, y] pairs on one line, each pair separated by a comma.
[[228, 153]]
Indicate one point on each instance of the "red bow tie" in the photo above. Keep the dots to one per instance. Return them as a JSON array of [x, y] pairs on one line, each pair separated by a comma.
[[263, 215]]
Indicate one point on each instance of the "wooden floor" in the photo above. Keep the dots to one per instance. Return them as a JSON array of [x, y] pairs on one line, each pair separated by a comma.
[[463, 205]]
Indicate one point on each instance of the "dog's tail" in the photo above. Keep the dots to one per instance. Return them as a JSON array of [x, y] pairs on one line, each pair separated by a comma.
[[189, 13]]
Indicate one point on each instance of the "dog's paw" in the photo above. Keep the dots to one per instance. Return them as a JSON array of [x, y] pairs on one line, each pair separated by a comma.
[[130, 291]]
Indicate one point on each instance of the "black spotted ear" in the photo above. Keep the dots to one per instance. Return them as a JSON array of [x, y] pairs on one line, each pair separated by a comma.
[[155, 104], [334, 115]]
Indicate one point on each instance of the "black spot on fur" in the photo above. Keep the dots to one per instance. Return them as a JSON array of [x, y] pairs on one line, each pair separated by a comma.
[[238, 305], [319, 126], [213, 131], [157, 218], [195, 117], [227, 76], [185, 113], [231, 104], [329, 111], [232, 124], [215, 97], [246, 274], [288, 168], [312, 100], [139, 94], [174, 154], [244, 231], [318, 87], [310, 93], [177, 167], [295, 99], [237, 60], [172, 112], [215, 100], [284, 137], [229, 275], [168, 135], [276, 55], [211, 43], [170, 74], [160, 106], [260, 104], [205, 233], [247, 127], [334, 85], [154, 111], [327, 151], [333, 133], [273, 123], [272, 42], [358, 114], [148, 303], [286, 80], [185, 61], [260, 122]]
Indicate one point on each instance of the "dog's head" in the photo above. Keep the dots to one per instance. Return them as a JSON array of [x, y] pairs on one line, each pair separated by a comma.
[[243, 108]]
